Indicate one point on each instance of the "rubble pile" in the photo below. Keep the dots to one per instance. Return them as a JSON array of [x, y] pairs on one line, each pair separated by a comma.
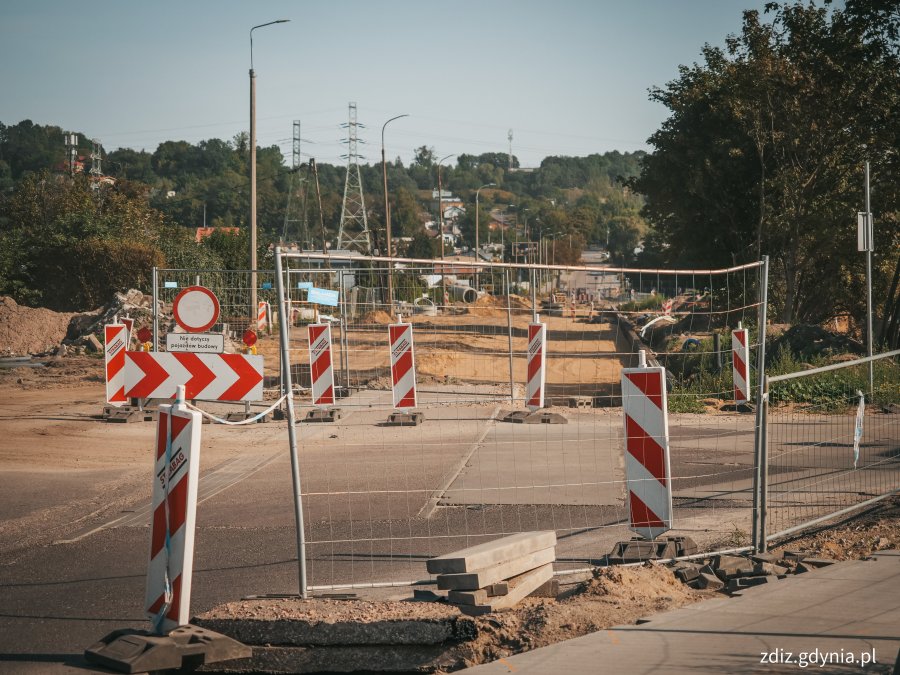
[[28, 331], [85, 332], [733, 573]]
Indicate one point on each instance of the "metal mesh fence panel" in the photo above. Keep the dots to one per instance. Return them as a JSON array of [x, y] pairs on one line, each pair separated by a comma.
[[378, 500], [833, 441], [231, 287]]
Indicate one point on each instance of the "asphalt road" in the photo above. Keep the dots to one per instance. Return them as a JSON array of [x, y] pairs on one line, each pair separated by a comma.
[[378, 501]]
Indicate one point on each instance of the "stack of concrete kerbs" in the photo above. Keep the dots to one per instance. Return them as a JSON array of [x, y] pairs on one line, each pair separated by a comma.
[[497, 574]]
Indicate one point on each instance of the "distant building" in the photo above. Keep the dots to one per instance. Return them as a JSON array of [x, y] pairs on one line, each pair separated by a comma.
[[453, 212], [447, 201]]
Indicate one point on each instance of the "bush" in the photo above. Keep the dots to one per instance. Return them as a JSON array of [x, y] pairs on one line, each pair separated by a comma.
[[86, 275]]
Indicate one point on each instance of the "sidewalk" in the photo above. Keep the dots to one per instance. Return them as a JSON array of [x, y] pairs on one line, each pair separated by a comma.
[[847, 610]]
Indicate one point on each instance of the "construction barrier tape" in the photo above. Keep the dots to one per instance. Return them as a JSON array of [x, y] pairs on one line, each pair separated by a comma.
[[219, 420]]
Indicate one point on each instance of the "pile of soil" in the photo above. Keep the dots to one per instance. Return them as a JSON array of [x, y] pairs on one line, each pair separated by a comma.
[[614, 596], [26, 330], [875, 530], [518, 302], [488, 305], [378, 316]]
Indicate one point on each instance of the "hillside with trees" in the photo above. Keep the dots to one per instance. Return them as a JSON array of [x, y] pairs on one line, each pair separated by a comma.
[[158, 199]]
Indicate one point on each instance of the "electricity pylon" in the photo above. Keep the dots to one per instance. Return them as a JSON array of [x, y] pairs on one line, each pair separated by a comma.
[[354, 227]]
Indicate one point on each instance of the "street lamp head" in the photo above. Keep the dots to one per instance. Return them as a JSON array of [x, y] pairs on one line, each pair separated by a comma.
[[270, 23], [388, 122]]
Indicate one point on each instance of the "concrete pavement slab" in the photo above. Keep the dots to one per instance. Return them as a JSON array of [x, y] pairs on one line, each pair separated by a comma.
[[845, 611]]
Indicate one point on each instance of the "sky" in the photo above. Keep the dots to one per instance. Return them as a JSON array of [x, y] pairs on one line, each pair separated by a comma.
[[568, 77]]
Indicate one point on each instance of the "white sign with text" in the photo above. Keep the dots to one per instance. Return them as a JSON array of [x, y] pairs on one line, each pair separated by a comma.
[[202, 343]]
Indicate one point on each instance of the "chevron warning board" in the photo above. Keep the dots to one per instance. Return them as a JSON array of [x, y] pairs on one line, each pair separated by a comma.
[[208, 377], [740, 364], [321, 371], [403, 365], [537, 361], [647, 468], [116, 343], [174, 509]]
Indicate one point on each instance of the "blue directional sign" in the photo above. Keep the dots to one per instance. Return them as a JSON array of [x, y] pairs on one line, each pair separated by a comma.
[[322, 296]]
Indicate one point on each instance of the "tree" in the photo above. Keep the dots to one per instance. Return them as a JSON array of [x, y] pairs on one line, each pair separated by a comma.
[[67, 246], [763, 148], [421, 246]]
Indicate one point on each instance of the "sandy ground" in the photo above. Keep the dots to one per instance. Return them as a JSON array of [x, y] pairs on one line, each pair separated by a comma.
[[474, 347]]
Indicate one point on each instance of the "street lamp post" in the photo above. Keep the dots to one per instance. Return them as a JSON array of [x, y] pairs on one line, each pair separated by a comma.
[[440, 209], [477, 213], [441, 225], [253, 175], [387, 217]]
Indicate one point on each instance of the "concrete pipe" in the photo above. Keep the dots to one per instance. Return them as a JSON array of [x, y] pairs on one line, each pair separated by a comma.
[[466, 294]]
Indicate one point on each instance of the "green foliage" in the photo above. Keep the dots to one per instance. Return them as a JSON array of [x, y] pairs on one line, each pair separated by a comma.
[[836, 389], [91, 271], [738, 172], [66, 246], [421, 246]]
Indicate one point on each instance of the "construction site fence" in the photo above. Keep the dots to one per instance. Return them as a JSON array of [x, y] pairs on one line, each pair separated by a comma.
[[377, 500], [830, 443]]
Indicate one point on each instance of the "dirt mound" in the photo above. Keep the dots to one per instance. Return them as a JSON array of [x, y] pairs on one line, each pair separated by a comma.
[[488, 300], [378, 316], [615, 595], [859, 536], [26, 330], [488, 305], [518, 302]]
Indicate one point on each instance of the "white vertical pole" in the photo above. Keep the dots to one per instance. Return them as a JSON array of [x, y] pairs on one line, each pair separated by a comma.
[[870, 235]]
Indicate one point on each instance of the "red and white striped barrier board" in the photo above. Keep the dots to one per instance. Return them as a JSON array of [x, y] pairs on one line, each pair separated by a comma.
[[320, 367], [647, 469], [262, 315], [403, 365], [208, 377], [116, 344], [174, 509], [740, 364], [667, 307], [537, 361]]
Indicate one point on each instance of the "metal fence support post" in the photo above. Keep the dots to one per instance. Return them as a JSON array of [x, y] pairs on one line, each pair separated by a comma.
[[155, 291], [758, 535], [512, 383], [764, 466], [345, 342], [284, 334]]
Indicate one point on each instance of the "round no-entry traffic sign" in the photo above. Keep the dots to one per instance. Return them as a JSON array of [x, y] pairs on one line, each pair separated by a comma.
[[196, 309]]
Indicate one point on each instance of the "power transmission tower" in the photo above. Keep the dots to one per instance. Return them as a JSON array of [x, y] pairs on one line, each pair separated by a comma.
[[96, 158], [354, 228], [71, 151], [510, 137], [291, 217]]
